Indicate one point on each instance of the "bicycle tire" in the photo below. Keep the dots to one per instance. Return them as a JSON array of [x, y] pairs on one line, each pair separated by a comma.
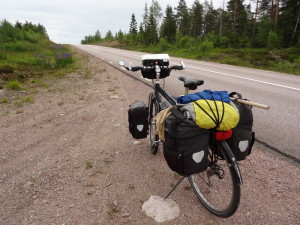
[[223, 197], [153, 110]]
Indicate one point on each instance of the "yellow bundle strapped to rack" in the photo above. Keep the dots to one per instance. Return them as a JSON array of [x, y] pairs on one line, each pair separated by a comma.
[[209, 114]]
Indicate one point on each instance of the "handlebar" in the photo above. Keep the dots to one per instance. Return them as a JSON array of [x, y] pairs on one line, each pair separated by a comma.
[[137, 68], [157, 67], [176, 67]]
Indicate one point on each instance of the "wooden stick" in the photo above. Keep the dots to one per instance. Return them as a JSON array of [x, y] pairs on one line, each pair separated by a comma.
[[258, 105]]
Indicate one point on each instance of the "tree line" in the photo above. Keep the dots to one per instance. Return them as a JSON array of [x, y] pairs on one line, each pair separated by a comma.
[[10, 33], [271, 24]]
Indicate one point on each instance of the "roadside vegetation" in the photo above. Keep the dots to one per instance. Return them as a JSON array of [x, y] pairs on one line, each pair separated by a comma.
[[28, 59], [264, 37]]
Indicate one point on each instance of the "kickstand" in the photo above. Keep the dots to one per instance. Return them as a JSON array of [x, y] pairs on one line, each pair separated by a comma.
[[174, 188]]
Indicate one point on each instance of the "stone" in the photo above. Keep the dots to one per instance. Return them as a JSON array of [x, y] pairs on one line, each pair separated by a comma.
[[159, 209]]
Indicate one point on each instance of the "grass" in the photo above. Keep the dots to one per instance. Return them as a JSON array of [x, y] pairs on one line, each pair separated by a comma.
[[14, 85], [23, 63], [22, 71], [27, 99], [4, 100]]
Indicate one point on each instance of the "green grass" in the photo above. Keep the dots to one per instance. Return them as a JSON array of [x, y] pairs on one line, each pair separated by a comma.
[[4, 100], [23, 63], [14, 85], [27, 99]]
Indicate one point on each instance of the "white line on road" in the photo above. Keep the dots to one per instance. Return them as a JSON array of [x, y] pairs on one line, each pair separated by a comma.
[[246, 78]]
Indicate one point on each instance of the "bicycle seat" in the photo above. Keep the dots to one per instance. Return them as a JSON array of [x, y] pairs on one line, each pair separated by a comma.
[[191, 84]]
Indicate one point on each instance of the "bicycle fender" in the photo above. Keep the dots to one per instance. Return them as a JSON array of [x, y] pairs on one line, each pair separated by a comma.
[[232, 161]]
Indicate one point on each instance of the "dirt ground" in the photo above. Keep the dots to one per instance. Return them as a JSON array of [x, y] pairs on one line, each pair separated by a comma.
[[67, 157]]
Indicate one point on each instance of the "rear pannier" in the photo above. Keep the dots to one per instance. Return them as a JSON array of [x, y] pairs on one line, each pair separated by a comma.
[[243, 137], [186, 144], [138, 120]]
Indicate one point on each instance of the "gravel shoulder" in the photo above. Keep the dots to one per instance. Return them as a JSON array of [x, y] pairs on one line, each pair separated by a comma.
[[68, 158]]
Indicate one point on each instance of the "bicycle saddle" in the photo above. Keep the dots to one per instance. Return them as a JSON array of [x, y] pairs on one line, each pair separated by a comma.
[[191, 84]]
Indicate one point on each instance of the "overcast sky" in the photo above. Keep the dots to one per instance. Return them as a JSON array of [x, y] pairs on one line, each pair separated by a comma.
[[69, 21]]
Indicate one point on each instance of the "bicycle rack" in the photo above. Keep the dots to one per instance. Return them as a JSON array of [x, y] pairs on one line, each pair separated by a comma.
[[181, 179]]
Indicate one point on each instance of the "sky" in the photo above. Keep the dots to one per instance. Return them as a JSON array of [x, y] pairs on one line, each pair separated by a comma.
[[69, 21]]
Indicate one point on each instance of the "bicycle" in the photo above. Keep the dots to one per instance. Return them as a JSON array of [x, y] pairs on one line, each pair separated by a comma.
[[218, 187]]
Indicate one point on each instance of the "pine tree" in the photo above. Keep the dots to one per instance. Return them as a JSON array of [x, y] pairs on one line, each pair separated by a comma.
[[151, 19], [97, 36], [197, 19], [145, 17], [155, 9], [168, 27], [133, 25], [183, 18], [211, 21], [238, 16], [151, 33], [109, 36]]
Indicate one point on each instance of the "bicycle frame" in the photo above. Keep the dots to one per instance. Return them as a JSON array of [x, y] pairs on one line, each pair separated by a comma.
[[159, 91]]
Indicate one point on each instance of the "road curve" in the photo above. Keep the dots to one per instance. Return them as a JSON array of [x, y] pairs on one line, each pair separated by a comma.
[[277, 128]]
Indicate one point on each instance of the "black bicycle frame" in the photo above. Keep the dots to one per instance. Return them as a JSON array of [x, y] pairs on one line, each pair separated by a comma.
[[159, 91]]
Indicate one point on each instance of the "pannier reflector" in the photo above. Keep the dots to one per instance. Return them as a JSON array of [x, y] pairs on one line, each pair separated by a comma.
[[223, 135]]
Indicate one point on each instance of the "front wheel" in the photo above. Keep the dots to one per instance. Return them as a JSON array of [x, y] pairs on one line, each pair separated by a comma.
[[153, 110], [218, 187]]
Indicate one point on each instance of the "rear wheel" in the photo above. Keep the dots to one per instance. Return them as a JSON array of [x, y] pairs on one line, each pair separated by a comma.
[[153, 110], [218, 187]]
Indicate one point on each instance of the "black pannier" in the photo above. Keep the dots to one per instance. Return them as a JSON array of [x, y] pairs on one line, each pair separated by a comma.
[[138, 120], [150, 73], [186, 145], [243, 137]]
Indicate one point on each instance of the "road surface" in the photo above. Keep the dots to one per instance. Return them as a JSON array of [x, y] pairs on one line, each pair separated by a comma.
[[277, 129]]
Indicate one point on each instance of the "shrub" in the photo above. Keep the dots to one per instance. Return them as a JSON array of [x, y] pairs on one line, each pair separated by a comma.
[[297, 63], [163, 44], [274, 40], [224, 42], [206, 46]]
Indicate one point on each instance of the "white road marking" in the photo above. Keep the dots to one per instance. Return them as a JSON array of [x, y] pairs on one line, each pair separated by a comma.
[[245, 78]]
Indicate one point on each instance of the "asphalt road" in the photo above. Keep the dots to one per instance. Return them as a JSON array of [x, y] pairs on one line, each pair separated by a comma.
[[277, 129]]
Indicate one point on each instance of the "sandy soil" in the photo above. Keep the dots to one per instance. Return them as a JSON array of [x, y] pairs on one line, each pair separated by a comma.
[[68, 158]]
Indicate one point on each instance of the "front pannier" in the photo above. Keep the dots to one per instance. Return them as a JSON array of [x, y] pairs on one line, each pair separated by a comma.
[[186, 145], [243, 137], [138, 120], [150, 73]]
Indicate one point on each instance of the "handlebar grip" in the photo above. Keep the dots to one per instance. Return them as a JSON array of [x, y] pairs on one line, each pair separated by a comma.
[[176, 67], [136, 68]]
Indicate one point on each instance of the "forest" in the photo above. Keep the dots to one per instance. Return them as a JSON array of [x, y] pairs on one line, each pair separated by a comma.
[[201, 31], [271, 24]]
